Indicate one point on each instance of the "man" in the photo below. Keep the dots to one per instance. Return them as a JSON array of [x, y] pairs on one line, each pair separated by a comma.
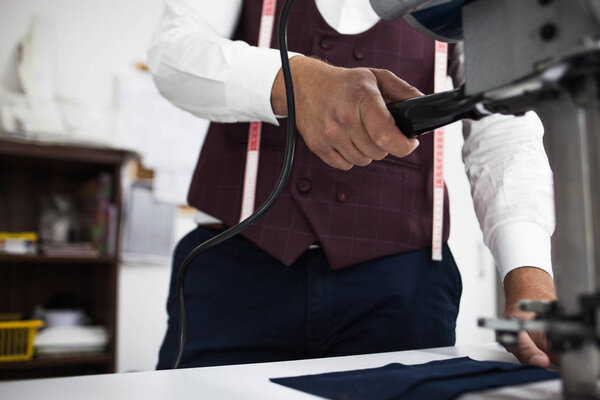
[[341, 263]]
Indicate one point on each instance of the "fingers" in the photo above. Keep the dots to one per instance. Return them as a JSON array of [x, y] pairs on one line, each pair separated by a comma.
[[348, 150], [327, 153], [527, 352], [361, 140], [393, 88], [378, 121], [335, 160], [342, 154], [382, 130], [533, 347], [342, 116]]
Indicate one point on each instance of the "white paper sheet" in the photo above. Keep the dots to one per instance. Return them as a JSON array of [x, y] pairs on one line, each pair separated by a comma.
[[167, 138]]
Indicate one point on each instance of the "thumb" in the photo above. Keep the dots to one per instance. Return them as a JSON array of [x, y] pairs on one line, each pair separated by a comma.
[[527, 352], [393, 88]]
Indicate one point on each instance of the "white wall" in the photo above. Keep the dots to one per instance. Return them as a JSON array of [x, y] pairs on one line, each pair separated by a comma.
[[474, 260], [96, 39], [142, 315], [143, 290]]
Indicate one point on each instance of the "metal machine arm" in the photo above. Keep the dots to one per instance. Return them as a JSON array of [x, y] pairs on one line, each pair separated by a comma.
[[541, 55]]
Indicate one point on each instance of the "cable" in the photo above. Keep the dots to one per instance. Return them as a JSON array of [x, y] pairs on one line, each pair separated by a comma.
[[285, 173]]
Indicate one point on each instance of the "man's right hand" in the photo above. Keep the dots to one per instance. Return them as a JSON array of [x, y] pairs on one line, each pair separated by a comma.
[[341, 112]]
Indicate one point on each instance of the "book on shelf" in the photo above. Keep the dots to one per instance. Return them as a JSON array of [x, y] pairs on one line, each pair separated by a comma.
[[82, 249], [99, 213], [81, 223]]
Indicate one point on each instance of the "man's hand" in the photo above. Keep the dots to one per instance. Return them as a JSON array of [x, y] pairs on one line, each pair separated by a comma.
[[533, 284], [341, 112]]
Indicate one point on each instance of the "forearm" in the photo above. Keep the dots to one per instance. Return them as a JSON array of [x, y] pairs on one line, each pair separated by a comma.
[[298, 66], [527, 283]]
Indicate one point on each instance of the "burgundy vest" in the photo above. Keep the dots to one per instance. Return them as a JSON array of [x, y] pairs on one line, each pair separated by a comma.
[[357, 215]]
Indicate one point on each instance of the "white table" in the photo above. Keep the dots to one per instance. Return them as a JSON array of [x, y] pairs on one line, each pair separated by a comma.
[[251, 381]]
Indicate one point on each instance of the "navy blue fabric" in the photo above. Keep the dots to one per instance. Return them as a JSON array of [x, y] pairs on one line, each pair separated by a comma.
[[436, 380], [245, 306]]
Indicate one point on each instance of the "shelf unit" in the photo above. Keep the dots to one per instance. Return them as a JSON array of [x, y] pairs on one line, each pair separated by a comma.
[[55, 260], [29, 171], [37, 363]]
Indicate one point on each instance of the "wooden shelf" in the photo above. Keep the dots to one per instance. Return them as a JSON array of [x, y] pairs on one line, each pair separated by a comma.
[[48, 362], [4, 258], [30, 172], [63, 152]]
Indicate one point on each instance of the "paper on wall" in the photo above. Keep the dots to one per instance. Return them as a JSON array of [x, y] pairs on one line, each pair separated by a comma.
[[167, 138], [148, 227], [35, 75]]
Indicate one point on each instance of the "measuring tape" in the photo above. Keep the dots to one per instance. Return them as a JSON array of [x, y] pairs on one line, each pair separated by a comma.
[[439, 84], [265, 34], [254, 134]]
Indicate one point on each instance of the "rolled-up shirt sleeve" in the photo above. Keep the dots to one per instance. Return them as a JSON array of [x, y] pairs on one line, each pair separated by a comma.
[[512, 186], [198, 67]]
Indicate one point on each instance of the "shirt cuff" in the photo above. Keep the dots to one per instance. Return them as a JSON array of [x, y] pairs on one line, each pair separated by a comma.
[[249, 85], [521, 244]]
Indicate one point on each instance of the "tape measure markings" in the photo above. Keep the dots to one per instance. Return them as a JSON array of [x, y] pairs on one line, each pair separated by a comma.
[[439, 85], [254, 132]]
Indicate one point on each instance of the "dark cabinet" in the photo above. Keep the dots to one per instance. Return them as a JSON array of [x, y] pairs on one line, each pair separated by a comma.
[[29, 173]]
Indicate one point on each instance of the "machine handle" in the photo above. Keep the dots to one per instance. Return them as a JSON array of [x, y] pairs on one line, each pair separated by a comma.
[[419, 115]]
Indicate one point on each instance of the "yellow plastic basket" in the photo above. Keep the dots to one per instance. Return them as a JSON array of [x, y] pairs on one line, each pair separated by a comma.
[[16, 339]]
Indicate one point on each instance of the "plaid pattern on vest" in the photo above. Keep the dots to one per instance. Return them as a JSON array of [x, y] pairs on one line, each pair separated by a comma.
[[357, 215]]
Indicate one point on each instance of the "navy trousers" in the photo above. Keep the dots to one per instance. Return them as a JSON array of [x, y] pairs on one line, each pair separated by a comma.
[[244, 306]]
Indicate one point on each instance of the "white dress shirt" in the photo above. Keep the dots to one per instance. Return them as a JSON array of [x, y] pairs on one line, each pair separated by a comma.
[[198, 68]]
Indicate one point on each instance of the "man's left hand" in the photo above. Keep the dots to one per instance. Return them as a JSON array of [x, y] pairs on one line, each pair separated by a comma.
[[529, 283]]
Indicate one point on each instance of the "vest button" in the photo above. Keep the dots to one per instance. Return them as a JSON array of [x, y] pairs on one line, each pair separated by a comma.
[[342, 197], [326, 43], [303, 185], [359, 54]]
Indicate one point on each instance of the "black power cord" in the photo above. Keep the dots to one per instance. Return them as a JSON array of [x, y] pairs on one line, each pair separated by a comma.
[[285, 173]]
